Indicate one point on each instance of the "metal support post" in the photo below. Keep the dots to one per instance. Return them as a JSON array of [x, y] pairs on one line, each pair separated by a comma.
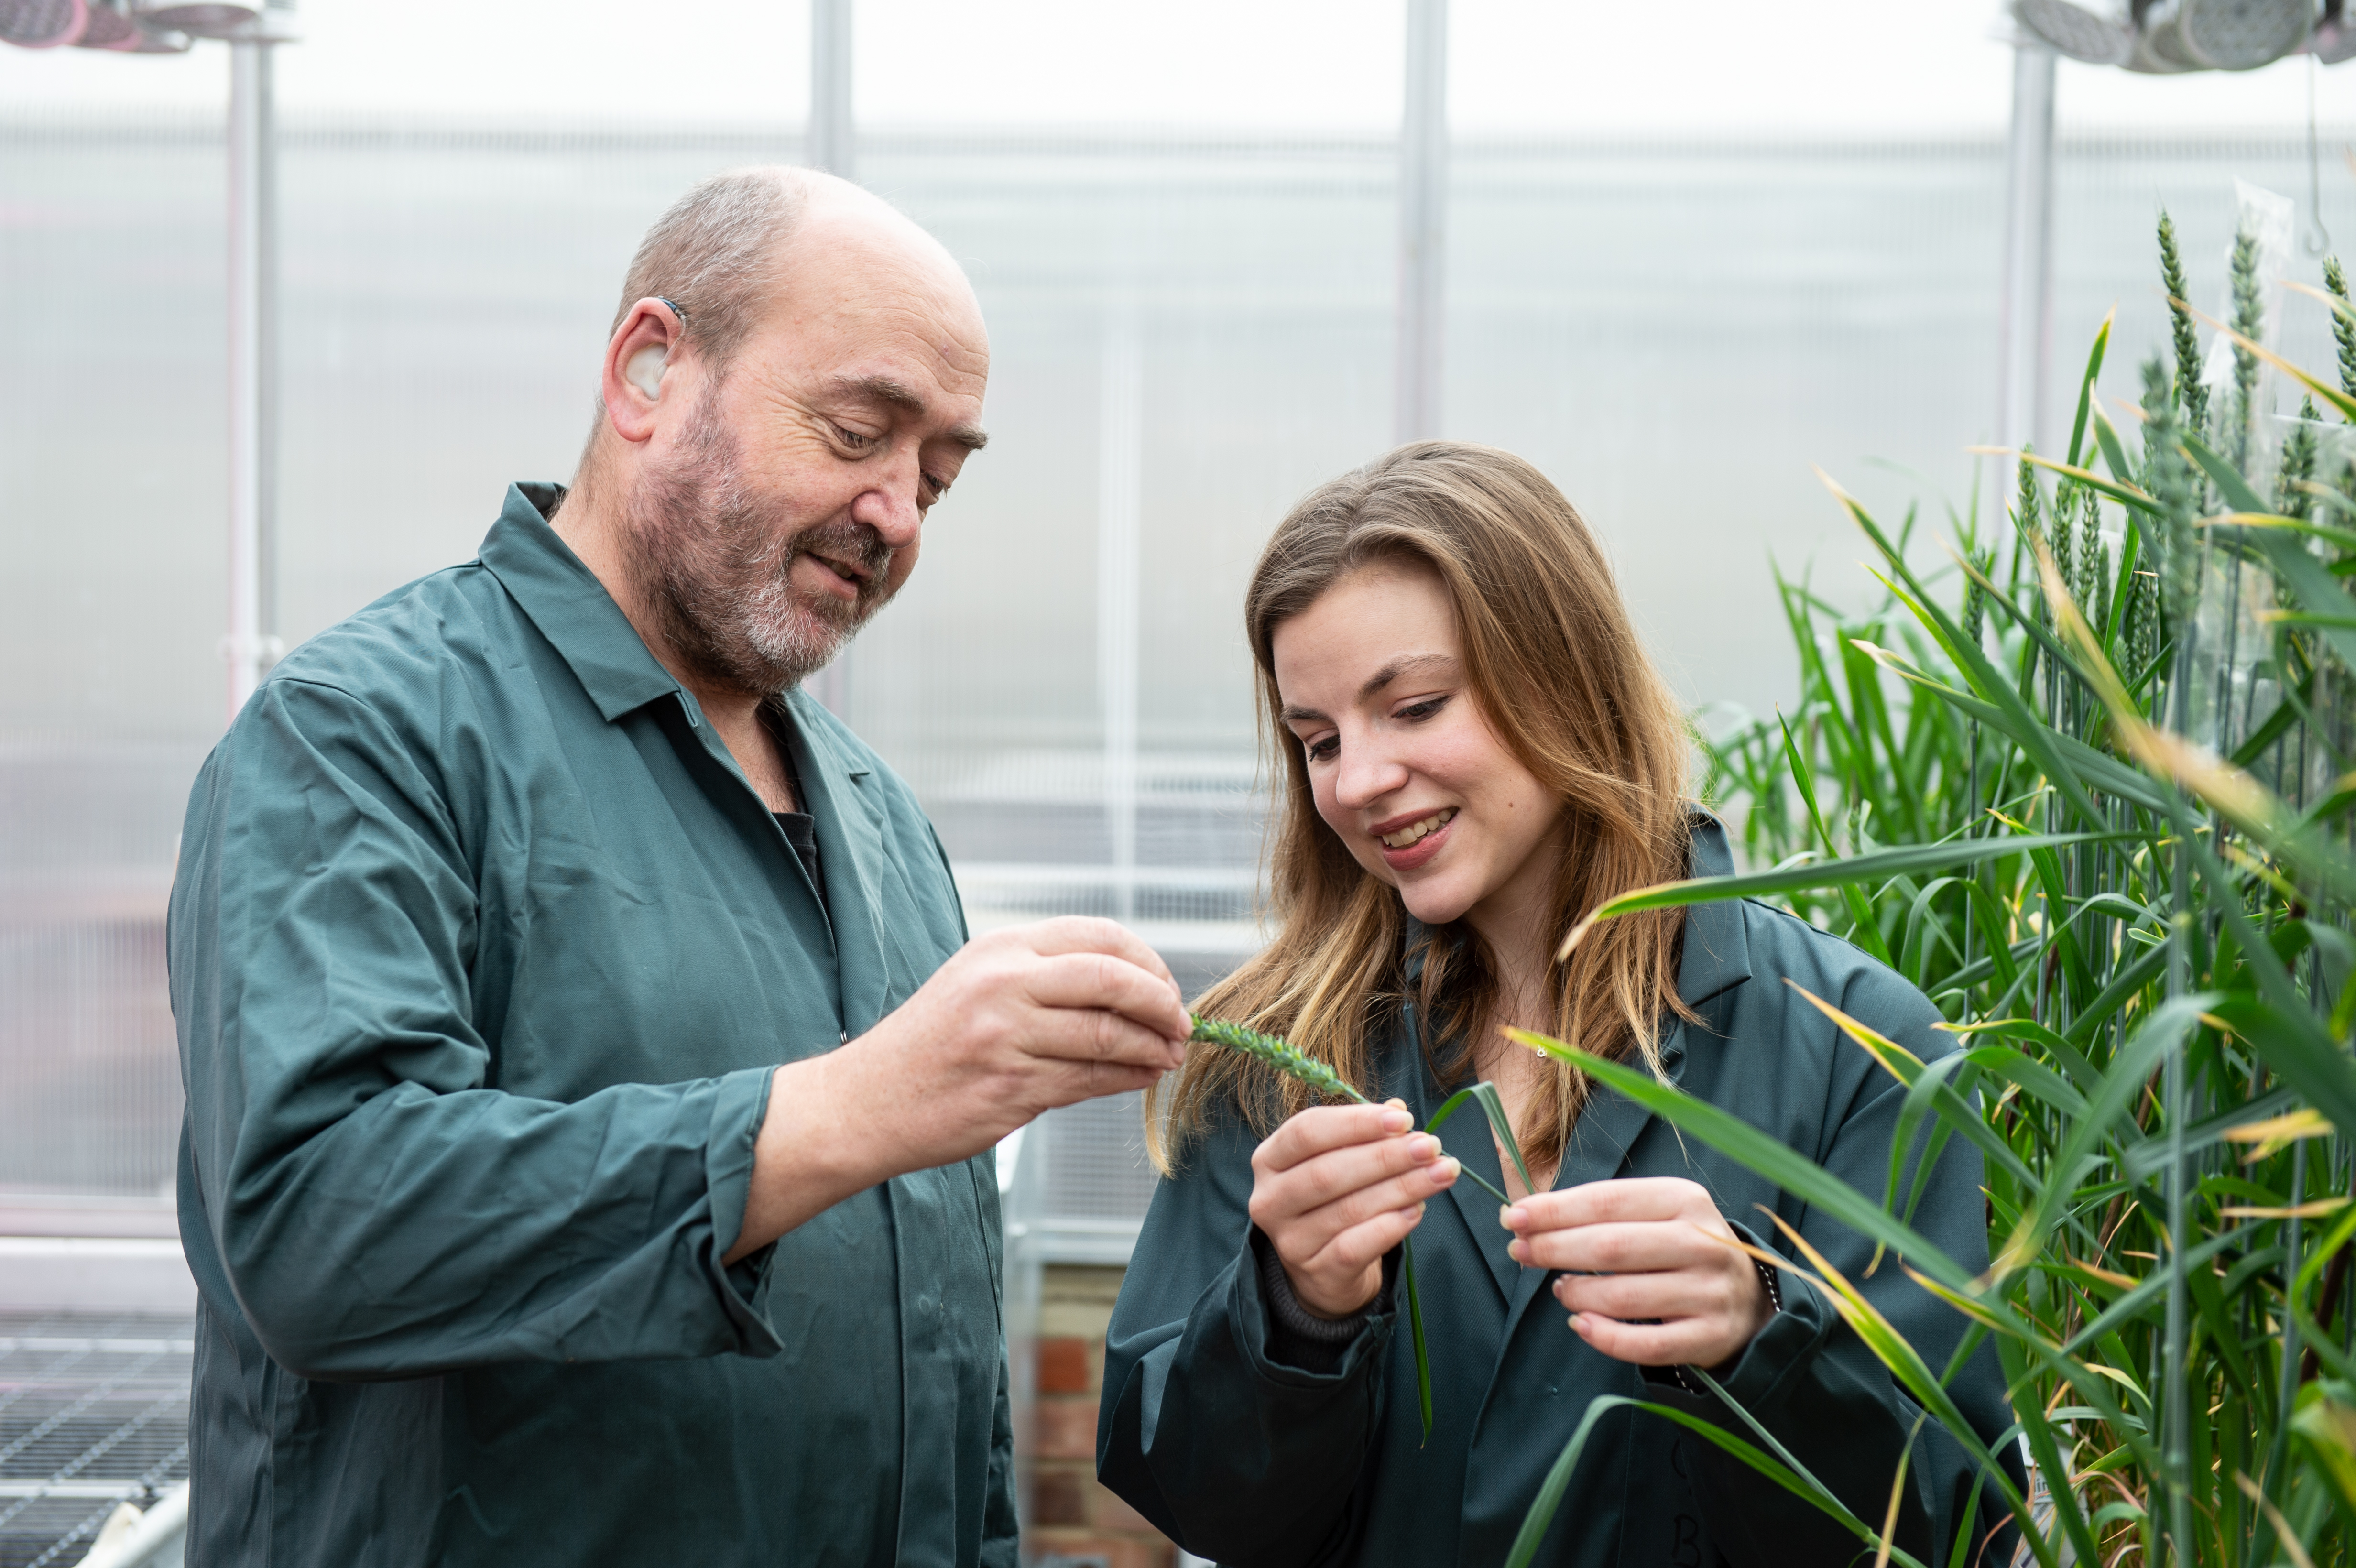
[[829, 144], [2026, 313], [248, 122], [1424, 221], [830, 127], [1120, 487]]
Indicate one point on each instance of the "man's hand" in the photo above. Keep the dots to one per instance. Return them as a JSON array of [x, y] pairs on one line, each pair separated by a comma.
[[1018, 1022], [1335, 1189], [1644, 1248]]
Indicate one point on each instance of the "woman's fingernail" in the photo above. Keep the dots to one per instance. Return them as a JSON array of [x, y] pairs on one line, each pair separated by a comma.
[[1445, 1171], [1514, 1248], [1508, 1214], [1397, 1121]]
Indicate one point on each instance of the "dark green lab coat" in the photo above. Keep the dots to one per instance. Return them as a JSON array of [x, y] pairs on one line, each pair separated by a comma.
[[1257, 1463], [482, 950]]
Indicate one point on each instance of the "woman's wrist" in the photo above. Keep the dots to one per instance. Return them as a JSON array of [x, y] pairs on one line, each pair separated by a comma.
[[1771, 1289]]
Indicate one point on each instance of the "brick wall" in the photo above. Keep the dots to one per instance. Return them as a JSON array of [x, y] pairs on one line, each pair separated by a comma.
[[1074, 1516]]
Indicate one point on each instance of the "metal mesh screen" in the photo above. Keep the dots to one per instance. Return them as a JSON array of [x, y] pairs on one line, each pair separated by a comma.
[[93, 1412]]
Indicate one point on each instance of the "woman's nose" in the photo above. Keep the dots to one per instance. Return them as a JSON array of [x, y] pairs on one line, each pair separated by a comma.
[[1365, 777]]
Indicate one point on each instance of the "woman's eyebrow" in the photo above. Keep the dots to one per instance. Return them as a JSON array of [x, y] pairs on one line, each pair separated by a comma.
[[1410, 664]]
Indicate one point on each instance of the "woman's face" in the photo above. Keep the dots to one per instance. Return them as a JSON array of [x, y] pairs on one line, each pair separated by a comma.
[[1403, 762]]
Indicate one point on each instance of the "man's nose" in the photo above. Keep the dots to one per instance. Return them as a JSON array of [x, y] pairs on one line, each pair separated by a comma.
[[890, 507]]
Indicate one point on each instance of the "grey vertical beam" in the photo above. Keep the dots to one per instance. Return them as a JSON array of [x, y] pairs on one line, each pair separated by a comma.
[[265, 367], [1120, 491], [831, 142], [251, 646], [248, 87], [1023, 1210], [2026, 313], [1423, 222]]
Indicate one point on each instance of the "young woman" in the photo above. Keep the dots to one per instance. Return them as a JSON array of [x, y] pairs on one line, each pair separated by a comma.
[[1474, 753]]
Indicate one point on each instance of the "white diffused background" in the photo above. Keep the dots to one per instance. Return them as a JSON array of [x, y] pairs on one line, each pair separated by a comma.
[[1692, 253]]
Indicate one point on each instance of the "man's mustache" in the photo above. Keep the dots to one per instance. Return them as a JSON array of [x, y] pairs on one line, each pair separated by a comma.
[[852, 544]]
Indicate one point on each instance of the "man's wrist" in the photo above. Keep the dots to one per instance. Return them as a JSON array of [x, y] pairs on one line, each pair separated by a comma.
[[815, 1147]]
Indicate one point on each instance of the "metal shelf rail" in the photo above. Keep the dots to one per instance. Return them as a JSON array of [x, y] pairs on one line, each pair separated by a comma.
[[93, 1412]]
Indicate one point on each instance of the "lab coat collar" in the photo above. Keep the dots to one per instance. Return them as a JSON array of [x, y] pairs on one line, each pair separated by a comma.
[[564, 599]]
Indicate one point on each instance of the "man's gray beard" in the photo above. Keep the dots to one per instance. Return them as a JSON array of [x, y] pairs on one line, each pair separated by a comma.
[[718, 584]]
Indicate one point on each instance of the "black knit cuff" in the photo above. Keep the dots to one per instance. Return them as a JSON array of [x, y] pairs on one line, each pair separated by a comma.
[[1296, 1336]]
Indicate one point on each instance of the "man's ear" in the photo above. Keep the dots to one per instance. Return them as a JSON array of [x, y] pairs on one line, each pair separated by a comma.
[[640, 360]]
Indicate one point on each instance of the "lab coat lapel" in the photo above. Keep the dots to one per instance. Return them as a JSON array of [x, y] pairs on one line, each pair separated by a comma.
[[1466, 1136], [850, 824], [1600, 1140]]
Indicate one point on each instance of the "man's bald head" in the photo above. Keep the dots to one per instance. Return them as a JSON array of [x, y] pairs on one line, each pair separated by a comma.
[[727, 249]]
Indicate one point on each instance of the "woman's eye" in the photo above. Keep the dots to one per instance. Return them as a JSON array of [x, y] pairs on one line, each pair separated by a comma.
[[1325, 747], [1424, 710]]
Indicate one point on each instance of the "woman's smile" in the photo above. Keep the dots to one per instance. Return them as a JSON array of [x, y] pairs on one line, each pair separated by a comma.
[[1412, 841]]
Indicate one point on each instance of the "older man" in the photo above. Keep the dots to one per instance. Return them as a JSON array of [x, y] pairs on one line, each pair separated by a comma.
[[591, 1089]]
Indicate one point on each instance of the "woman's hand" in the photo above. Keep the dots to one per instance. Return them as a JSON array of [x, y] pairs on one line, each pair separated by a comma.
[[1335, 1189], [1645, 1248]]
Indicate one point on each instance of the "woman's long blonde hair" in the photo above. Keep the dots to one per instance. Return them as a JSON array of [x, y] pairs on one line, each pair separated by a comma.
[[1539, 618]]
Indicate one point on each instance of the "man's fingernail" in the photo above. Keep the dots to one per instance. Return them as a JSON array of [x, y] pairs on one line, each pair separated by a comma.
[[1397, 1121]]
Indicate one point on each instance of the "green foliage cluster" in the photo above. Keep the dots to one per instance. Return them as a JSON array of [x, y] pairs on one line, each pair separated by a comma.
[[2098, 806]]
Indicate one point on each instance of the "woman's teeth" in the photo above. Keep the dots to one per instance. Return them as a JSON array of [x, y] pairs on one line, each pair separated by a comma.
[[1416, 830]]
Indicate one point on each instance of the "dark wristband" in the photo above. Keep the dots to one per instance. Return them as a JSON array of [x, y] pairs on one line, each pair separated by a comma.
[[1294, 1320]]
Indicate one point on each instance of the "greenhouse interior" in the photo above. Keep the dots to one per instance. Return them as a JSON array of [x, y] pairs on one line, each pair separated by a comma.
[[1961, 398]]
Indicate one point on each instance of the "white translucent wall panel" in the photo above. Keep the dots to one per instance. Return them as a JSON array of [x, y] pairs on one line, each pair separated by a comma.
[[1675, 331]]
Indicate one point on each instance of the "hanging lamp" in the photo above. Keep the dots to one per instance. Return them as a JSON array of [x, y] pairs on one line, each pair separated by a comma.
[[42, 24]]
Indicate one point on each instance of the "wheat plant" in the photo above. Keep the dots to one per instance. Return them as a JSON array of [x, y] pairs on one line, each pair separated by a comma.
[[2096, 804]]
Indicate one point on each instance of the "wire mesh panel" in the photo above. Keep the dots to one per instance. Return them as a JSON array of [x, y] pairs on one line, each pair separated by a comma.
[[1098, 1181], [93, 1412]]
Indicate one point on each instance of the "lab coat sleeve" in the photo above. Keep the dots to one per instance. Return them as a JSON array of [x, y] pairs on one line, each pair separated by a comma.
[[380, 1210]]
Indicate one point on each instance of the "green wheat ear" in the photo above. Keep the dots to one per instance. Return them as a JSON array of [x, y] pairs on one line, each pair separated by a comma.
[[1285, 1058]]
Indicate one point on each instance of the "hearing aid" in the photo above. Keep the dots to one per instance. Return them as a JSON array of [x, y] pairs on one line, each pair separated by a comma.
[[646, 367], [646, 370]]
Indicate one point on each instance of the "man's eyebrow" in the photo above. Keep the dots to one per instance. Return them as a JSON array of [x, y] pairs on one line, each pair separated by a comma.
[[898, 394]]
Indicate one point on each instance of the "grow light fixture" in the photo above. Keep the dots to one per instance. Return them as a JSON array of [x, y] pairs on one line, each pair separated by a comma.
[[2334, 38], [42, 24], [2165, 37], [123, 26], [2242, 35], [108, 27], [210, 20], [2099, 32]]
